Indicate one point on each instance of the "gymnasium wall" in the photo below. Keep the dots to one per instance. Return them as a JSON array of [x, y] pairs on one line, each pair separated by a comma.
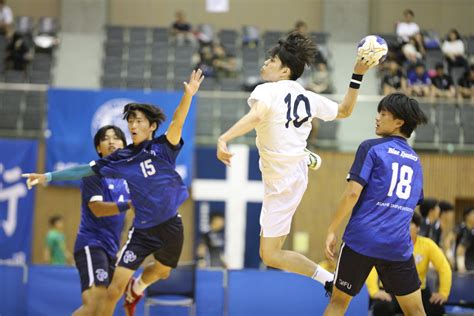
[[36, 8], [275, 14]]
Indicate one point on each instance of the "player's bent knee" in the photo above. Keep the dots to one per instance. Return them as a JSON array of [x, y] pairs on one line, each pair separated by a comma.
[[113, 293], [269, 259]]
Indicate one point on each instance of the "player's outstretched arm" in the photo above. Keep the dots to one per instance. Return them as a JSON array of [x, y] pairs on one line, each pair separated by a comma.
[[346, 204], [347, 105], [242, 127], [73, 173], [190, 88]]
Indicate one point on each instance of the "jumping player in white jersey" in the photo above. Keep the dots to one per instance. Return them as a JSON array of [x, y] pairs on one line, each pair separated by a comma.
[[281, 111]]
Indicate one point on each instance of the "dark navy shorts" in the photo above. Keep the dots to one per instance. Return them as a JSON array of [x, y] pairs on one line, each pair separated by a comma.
[[164, 241], [398, 277], [95, 267]]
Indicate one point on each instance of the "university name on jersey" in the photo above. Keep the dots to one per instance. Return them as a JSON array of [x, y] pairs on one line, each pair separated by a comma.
[[396, 206], [402, 154]]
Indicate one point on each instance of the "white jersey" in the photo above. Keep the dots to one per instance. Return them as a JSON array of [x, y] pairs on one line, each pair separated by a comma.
[[287, 110]]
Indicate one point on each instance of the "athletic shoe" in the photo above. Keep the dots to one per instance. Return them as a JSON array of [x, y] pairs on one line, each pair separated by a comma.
[[328, 288], [313, 160], [131, 299]]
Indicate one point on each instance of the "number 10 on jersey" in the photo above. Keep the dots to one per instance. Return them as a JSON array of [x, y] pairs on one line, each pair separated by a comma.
[[300, 98]]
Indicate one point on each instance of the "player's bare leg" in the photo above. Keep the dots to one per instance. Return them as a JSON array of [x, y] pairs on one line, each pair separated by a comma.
[[115, 291], [412, 304], [338, 304], [91, 299], [274, 256]]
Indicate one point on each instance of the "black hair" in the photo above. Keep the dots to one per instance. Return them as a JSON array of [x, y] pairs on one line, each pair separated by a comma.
[[416, 219], [404, 108], [54, 219], [100, 135], [458, 36], [152, 113], [427, 205], [410, 12], [295, 51], [467, 211], [445, 206], [439, 65]]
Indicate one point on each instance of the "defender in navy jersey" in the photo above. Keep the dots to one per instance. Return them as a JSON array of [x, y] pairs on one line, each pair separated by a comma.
[[156, 189], [385, 184], [98, 238]]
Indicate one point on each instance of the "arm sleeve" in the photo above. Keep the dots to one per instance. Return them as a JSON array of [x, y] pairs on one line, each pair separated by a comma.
[[326, 109], [110, 166], [442, 266], [372, 282], [263, 94], [92, 189], [74, 173], [363, 164]]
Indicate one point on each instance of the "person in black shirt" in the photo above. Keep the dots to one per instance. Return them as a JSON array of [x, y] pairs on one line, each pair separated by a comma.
[[466, 84], [430, 227], [394, 80], [465, 249], [442, 84]]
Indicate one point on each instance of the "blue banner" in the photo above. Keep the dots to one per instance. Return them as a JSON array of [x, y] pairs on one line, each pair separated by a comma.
[[74, 116], [16, 202]]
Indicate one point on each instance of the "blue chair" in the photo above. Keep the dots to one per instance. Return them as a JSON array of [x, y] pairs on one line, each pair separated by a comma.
[[176, 291], [462, 290]]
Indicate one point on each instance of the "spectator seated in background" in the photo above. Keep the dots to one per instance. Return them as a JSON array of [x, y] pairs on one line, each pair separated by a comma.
[[466, 84], [394, 79], [425, 252], [407, 28], [442, 84], [454, 51], [225, 65], [46, 38], [419, 82], [6, 19], [19, 53], [465, 248], [430, 226], [320, 81], [448, 236], [181, 30], [206, 62], [413, 51]]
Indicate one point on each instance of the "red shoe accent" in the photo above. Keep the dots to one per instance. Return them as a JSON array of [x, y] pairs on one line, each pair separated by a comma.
[[131, 299]]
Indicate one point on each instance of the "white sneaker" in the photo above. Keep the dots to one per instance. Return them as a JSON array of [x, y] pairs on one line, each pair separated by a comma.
[[313, 160]]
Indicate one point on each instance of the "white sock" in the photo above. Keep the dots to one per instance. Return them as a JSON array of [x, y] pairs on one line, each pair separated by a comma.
[[139, 286], [322, 276]]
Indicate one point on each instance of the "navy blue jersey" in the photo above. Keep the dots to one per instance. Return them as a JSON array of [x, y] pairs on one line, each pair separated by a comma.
[[391, 174], [156, 189], [103, 232]]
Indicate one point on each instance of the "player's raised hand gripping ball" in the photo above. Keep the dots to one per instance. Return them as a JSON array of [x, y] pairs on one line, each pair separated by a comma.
[[372, 49]]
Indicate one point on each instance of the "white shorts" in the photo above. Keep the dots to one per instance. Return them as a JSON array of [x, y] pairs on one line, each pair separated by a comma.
[[282, 197]]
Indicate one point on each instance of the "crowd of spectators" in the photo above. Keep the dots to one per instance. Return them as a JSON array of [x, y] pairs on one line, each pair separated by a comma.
[[422, 65]]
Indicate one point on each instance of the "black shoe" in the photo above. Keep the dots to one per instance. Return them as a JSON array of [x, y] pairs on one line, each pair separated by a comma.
[[328, 288]]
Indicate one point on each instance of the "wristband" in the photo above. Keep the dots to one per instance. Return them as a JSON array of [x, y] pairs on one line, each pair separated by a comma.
[[122, 206], [356, 80], [48, 176]]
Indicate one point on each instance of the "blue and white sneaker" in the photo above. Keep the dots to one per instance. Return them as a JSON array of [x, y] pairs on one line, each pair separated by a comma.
[[313, 160]]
